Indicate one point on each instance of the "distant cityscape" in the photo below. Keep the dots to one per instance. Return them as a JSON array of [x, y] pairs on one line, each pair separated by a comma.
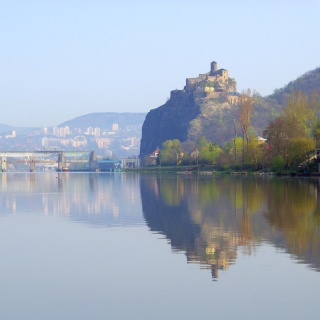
[[113, 142]]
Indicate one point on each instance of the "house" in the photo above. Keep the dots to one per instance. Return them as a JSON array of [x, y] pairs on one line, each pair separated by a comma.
[[153, 158]]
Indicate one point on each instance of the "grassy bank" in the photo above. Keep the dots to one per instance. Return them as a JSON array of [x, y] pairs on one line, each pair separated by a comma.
[[210, 169]]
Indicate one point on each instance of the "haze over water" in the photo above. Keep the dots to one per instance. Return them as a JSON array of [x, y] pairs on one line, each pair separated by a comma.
[[130, 246]]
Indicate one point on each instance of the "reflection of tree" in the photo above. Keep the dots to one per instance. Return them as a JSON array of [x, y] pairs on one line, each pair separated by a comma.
[[294, 211], [215, 216], [171, 192]]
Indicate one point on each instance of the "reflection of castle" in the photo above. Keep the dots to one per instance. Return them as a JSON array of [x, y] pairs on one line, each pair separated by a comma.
[[172, 207], [210, 219]]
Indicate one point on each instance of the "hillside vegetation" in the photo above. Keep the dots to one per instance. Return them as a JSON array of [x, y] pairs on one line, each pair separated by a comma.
[[307, 83]]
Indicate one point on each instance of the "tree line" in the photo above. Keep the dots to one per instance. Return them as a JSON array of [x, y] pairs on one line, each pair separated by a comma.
[[290, 139]]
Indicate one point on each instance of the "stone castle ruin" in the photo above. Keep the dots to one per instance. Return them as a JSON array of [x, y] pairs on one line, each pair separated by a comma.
[[213, 84]]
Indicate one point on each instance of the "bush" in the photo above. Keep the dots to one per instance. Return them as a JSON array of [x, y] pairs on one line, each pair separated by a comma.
[[277, 164]]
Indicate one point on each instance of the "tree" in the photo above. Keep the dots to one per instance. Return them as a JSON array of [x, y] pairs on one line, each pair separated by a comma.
[[235, 130], [299, 150], [278, 134], [255, 152], [316, 132], [289, 135], [245, 104], [277, 164], [171, 152], [188, 147], [298, 111], [208, 152], [234, 150]]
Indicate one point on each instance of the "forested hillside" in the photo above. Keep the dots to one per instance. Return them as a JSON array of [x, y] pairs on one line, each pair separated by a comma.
[[307, 83]]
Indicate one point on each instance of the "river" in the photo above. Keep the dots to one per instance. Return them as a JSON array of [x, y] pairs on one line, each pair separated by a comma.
[[158, 246]]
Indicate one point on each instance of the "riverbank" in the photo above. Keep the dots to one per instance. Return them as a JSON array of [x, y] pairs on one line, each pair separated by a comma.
[[215, 169], [190, 169]]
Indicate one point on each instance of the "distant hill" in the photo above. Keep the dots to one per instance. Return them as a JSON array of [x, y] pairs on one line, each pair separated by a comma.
[[4, 127], [307, 83], [104, 120]]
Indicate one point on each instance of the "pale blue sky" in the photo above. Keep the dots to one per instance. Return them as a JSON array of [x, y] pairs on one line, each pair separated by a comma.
[[62, 59]]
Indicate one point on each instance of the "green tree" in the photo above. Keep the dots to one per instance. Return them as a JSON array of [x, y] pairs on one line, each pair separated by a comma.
[[208, 152], [277, 163], [254, 154], [171, 152], [316, 132], [299, 150]]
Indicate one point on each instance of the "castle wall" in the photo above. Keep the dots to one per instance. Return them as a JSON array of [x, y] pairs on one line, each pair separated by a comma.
[[233, 97], [223, 73], [191, 81], [213, 94], [212, 78], [176, 94]]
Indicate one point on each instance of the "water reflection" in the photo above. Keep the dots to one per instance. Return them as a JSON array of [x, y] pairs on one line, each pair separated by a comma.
[[211, 218], [96, 199], [208, 218]]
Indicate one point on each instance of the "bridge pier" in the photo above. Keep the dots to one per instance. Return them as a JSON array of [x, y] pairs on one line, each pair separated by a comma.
[[32, 164], [61, 161], [3, 164], [93, 165]]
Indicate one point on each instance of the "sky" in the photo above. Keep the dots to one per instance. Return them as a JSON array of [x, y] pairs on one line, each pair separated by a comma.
[[65, 58]]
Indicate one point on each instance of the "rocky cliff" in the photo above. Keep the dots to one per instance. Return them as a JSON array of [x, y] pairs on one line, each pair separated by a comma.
[[204, 107], [186, 116]]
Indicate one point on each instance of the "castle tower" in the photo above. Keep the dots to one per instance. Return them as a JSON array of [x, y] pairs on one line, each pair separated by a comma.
[[214, 67]]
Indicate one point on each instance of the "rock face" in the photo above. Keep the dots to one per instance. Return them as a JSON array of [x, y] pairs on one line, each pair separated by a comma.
[[170, 121], [206, 107]]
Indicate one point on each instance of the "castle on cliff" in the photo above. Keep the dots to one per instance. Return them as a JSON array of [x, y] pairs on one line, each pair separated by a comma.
[[213, 84]]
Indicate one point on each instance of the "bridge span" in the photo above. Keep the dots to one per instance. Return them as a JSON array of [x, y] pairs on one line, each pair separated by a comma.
[[63, 159]]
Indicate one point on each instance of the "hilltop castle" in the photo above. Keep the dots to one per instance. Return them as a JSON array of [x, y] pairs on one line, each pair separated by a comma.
[[213, 84]]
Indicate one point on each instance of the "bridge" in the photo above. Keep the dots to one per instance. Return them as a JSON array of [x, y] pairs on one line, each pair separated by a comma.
[[60, 158]]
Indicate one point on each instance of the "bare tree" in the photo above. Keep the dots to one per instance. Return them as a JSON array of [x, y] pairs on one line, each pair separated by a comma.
[[235, 130], [245, 104]]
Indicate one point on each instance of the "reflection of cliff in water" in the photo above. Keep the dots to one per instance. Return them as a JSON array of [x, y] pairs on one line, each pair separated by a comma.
[[98, 199], [210, 218]]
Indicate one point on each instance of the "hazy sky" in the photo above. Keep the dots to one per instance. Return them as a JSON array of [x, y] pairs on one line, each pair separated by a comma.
[[63, 59]]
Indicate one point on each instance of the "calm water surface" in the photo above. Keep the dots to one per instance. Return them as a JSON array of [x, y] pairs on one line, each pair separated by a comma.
[[129, 246]]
